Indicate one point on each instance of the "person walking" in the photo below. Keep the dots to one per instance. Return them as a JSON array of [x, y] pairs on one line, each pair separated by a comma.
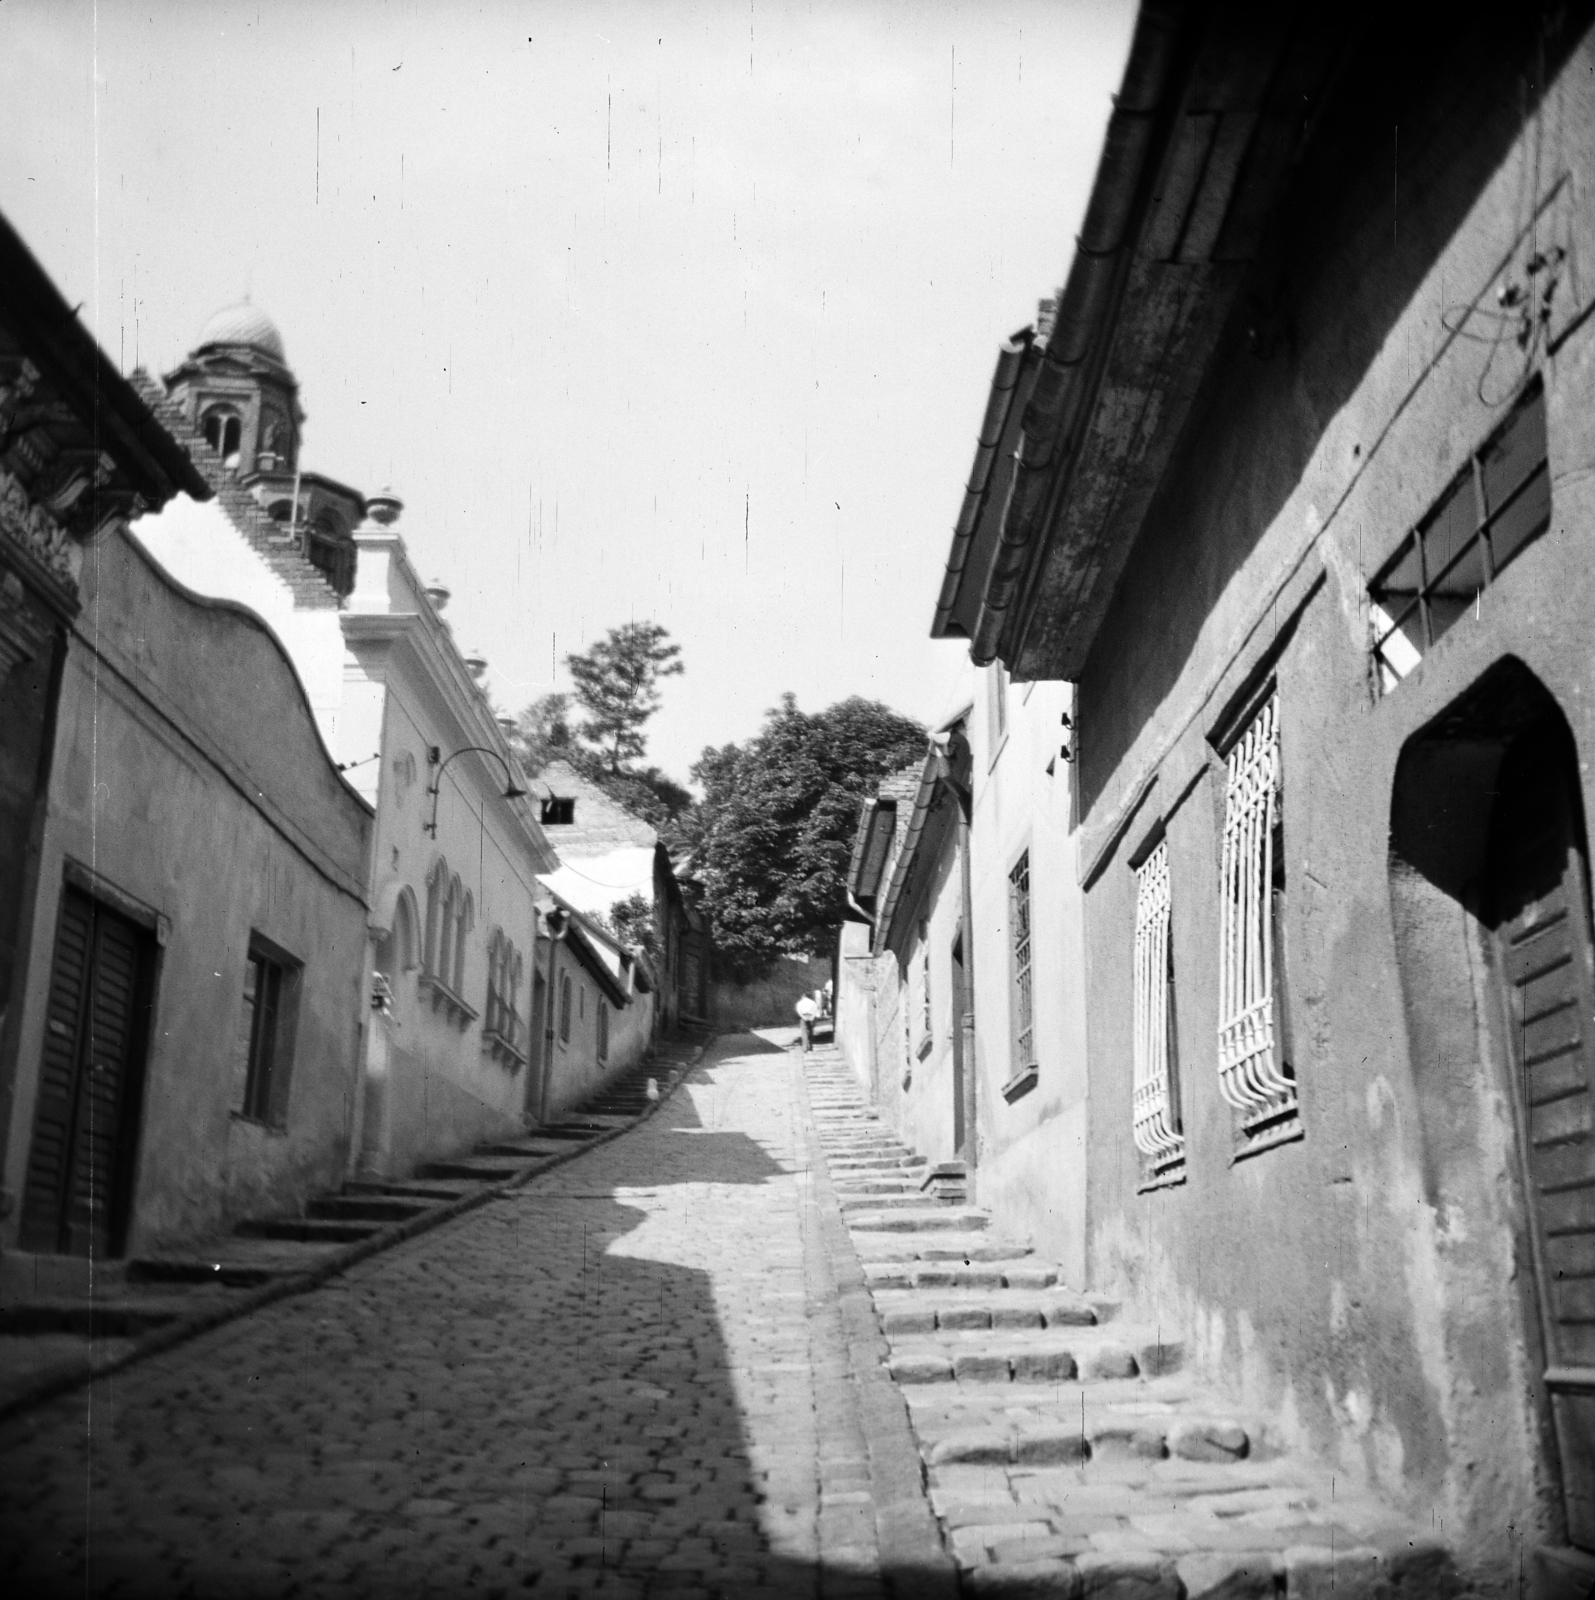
[[807, 1011]]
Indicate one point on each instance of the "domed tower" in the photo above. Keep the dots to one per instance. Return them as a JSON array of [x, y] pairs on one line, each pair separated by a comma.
[[239, 393]]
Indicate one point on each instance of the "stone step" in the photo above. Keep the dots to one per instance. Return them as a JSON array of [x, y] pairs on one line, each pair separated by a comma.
[[488, 1170], [306, 1230], [411, 1189], [905, 1312], [1021, 1274], [365, 1207], [233, 1262], [920, 1219], [850, 1186], [908, 1163], [566, 1131], [118, 1318], [905, 1199], [1069, 1355], [951, 1248], [1172, 1527]]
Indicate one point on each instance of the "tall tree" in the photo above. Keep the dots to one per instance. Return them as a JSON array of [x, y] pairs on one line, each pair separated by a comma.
[[773, 832], [617, 683], [543, 732]]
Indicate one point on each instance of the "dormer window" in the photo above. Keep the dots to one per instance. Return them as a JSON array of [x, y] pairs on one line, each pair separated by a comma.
[[557, 812], [224, 432]]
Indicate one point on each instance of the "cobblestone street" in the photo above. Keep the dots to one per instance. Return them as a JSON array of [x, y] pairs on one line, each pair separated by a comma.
[[629, 1378]]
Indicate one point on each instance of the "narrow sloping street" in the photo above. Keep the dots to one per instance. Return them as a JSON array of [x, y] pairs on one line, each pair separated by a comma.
[[631, 1377]]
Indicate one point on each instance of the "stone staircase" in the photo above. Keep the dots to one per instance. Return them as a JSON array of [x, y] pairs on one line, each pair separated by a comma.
[[1066, 1451], [61, 1316]]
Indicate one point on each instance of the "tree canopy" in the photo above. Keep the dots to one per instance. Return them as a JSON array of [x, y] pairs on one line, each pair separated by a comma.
[[774, 830], [617, 687], [617, 684]]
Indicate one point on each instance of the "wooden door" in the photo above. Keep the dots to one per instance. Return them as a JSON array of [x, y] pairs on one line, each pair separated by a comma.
[[1539, 888], [78, 1188]]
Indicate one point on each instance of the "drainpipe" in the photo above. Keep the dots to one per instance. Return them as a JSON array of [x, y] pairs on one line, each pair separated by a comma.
[[967, 1021], [558, 925]]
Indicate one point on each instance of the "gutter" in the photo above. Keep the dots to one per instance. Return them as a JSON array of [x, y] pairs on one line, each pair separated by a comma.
[[936, 768], [1081, 337], [1012, 360]]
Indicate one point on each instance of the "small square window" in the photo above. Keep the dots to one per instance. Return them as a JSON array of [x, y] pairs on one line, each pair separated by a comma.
[[558, 812], [1498, 503]]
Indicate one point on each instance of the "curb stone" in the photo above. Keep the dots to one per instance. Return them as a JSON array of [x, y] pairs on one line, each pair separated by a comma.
[[908, 1536], [64, 1379]]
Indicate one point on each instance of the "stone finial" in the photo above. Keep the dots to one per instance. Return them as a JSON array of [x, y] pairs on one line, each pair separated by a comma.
[[475, 663], [438, 593], [384, 507]]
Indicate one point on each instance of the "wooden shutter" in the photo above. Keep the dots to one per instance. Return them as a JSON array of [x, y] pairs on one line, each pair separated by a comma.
[[1541, 902], [75, 1194]]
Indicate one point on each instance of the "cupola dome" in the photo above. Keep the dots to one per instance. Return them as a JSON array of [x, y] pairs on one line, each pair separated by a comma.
[[243, 324]]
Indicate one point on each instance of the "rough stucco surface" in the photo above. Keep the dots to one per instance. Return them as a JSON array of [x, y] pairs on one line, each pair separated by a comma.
[[1360, 1286], [1031, 1167], [158, 801]]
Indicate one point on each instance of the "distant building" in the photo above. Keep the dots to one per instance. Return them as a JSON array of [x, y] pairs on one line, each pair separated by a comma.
[[452, 1050], [608, 855], [184, 894]]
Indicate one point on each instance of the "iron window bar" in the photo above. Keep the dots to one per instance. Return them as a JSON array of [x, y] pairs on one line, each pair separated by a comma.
[[1155, 1125], [1250, 1073], [1024, 1012]]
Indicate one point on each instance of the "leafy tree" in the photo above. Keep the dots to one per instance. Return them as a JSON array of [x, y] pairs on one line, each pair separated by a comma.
[[543, 732], [632, 920], [617, 683], [774, 830]]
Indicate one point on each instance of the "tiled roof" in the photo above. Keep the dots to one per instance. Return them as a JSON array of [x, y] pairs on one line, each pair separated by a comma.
[[311, 588]]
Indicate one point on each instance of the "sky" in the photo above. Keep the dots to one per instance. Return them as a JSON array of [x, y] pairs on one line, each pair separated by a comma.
[[673, 311]]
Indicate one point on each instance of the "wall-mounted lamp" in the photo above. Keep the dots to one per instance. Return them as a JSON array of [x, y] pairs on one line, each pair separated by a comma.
[[436, 759]]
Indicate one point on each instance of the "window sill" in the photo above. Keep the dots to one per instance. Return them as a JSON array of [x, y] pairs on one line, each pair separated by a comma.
[[502, 1050], [1286, 1132], [444, 999], [1021, 1083], [274, 1130], [1171, 1177]]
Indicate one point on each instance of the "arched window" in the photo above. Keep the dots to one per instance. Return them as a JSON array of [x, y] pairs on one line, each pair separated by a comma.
[[224, 432], [465, 920], [447, 922], [437, 890]]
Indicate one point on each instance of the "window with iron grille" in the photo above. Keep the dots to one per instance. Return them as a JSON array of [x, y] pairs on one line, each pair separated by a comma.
[[1254, 1071], [1156, 1115], [1495, 507], [918, 1003], [1024, 1032]]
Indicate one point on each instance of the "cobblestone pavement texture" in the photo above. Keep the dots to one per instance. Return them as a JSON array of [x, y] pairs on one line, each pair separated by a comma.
[[627, 1379]]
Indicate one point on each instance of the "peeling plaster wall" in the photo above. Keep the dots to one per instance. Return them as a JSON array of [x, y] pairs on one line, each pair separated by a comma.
[[1369, 1311]]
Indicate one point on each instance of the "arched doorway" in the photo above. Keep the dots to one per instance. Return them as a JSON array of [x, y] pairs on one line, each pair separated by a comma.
[[1537, 904], [1490, 899]]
